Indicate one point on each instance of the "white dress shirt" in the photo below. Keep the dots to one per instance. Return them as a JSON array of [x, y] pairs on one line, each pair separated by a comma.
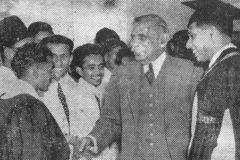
[[86, 112], [54, 104], [225, 143], [83, 108], [157, 64]]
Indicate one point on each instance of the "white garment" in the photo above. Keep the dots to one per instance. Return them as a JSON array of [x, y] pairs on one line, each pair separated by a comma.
[[54, 104], [82, 104], [86, 112], [7, 77], [225, 142], [215, 56], [107, 75], [157, 64], [18, 87]]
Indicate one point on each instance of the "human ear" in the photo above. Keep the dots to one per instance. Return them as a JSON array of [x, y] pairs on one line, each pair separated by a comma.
[[34, 71], [79, 71], [70, 59], [164, 39]]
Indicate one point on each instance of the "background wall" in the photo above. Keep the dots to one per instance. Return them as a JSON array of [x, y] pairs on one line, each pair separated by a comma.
[[81, 19]]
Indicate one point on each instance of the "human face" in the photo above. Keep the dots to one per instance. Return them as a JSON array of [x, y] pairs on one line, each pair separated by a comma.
[[61, 59], [111, 57], [92, 70], [145, 42], [199, 42], [43, 78]]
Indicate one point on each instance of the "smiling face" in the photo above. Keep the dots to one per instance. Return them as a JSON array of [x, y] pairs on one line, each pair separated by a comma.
[[61, 59], [200, 42], [146, 41], [92, 70]]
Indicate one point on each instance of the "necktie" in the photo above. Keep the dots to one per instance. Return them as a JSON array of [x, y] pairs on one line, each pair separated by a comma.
[[99, 103], [150, 74], [63, 101]]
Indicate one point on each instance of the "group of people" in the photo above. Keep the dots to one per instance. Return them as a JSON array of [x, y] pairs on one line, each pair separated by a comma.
[[109, 100]]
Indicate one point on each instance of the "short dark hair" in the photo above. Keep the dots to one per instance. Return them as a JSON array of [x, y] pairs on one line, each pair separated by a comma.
[[176, 47], [26, 57], [57, 39], [2, 53], [81, 52], [12, 29], [35, 27], [221, 22], [106, 34], [108, 46], [124, 52]]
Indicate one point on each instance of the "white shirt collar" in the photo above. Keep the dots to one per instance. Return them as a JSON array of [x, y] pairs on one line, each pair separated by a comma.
[[87, 86], [215, 57], [157, 64], [20, 87], [6, 72], [65, 79]]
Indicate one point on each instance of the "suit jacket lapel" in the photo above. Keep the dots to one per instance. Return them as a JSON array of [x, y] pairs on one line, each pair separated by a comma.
[[130, 88], [135, 91]]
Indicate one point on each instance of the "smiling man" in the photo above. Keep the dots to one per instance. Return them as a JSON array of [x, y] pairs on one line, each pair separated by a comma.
[[148, 102], [215, 119], [59, 96], [88, 62]]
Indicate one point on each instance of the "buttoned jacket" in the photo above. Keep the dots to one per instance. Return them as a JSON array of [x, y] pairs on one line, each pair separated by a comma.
[[120, 112]]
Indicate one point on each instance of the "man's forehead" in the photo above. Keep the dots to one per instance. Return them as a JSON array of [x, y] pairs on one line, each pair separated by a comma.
[[94, 59], [58, 48], [192, 26], [144, 27], [44, 65]]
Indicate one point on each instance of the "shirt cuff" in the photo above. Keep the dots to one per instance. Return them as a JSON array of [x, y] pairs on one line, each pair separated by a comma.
[[94, 149]]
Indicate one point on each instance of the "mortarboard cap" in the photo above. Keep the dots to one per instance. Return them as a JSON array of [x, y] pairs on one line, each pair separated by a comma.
[[222, 13], [216, 7]]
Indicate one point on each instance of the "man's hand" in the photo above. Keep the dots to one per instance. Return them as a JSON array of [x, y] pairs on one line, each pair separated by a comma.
[[86, 143], [82, 148]]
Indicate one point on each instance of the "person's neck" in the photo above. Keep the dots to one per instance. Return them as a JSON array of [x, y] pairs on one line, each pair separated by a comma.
[[40, 93], [31, 82], [7, 64], [155, 56], [218, 47], [59, 78]]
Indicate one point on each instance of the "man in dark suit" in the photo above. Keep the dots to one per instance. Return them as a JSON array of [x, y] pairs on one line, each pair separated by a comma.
[[148, 102], [216, 115]]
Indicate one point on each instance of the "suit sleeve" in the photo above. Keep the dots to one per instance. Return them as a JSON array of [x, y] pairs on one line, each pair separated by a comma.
[[108, 128]]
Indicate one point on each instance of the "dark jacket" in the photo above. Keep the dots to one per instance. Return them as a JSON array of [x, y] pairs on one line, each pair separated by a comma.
[[29, 131], [218, 90]]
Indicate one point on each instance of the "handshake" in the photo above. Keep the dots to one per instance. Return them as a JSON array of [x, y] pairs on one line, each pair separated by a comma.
[[82, 148]]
